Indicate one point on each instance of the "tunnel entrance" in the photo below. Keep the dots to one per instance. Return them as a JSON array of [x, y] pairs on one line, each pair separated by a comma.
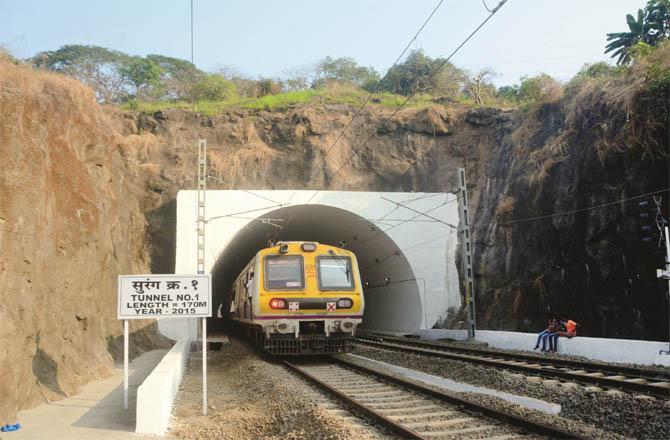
[[395, 305], [386, 231]]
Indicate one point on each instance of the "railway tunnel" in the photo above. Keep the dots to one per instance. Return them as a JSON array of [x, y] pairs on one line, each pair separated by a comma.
[[406, 260]]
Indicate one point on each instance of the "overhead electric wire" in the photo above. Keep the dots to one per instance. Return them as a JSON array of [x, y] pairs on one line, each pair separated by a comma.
[[469, 37], [395, 209], [262, 197], [244, 212], [639, 83], [589, 208], [375, 90], [381, 81], [422, 213], [383, 231], [406, 249], [411, 95]]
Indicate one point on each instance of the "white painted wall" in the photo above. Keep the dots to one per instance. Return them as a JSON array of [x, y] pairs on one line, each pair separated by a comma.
[[429, 247], [155, 396], [602, 349]]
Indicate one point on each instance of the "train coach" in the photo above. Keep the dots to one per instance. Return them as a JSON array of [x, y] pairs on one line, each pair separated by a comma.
[[299, 298]]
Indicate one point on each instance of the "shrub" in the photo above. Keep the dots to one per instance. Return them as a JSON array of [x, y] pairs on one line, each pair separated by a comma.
[[539, 89], [214, 87]]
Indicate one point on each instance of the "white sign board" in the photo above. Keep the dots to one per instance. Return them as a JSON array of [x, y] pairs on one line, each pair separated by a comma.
[[164, 296]]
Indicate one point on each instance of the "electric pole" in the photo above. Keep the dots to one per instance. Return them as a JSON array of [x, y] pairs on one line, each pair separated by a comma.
[[466, 246]]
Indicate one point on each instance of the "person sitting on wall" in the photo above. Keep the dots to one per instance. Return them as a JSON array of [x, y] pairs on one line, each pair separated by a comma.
[[567, 328], [570, 328], [559, 327], [542, 337]]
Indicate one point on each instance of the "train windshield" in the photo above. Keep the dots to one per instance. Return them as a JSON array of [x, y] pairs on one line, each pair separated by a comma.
[[284, 272], [335, 273]]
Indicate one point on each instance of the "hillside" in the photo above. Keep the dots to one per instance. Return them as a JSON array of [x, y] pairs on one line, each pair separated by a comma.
[[87, 193]]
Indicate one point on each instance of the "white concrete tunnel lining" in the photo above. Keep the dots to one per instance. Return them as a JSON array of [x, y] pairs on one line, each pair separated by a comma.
[[424, 279]]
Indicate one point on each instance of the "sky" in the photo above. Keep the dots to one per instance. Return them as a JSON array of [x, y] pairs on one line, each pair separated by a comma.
[[269, 38]]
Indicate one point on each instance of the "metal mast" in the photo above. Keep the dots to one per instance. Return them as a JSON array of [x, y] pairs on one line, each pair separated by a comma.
[[467, 252], [201, 199], [200, 195]]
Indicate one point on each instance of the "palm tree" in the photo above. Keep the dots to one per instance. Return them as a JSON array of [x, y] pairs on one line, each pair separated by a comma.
[[620, 42]]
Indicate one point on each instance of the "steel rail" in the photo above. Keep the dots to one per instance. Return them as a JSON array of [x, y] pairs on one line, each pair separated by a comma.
[[497, 359], [356, 405], [638, 372], [513, 419]]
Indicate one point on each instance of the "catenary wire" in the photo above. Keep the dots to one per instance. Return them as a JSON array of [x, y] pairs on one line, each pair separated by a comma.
[[381, 81], [411, 95], [589, 208]]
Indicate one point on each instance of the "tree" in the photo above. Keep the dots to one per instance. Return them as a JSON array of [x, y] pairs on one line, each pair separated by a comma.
[[95, 66], [301, 78], [539, 89], [598, 70], [509, 93], [345, 71], [420, 73], [651, 26], [268, 86], [141, 73], [178, 77], [245, 86], [479, 85], [214, 87]]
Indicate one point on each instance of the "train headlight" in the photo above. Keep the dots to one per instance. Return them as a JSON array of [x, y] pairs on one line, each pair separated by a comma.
[[345, 303], [277, 303], [308, 247]]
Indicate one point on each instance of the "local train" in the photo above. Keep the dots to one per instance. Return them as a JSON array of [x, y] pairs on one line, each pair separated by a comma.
[[299, 298]]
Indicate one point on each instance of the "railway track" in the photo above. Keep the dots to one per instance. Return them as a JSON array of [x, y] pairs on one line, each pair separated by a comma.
[[412, 410], [631, 379]]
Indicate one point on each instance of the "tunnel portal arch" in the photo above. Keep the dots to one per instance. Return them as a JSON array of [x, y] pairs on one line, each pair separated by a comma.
[[417, 254]]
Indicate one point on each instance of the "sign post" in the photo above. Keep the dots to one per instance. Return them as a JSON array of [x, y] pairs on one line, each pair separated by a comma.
[[163, 296], [125, 364]]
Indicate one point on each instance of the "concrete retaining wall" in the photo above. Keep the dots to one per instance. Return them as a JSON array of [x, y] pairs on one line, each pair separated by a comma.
[[156, 394], [608, 350]]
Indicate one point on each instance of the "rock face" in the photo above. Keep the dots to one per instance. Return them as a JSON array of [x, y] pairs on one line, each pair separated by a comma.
[[87, 194], [570, 155], [71, 219]]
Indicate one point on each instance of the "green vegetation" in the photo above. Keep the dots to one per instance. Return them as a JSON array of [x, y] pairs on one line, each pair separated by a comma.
[[141, 73], [157, 82], [350, 96], [649, 28]]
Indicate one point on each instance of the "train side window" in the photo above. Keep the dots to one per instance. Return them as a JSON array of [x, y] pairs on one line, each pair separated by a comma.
[[284, 272]]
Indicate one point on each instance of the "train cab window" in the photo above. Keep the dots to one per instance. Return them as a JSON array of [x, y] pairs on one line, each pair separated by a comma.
[[335, 273], [284, 272]]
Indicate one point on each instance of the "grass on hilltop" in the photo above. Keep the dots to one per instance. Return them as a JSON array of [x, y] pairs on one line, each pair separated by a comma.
[[338, 95]]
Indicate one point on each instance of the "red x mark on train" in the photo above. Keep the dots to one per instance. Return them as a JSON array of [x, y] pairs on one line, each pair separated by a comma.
[[331, 306]]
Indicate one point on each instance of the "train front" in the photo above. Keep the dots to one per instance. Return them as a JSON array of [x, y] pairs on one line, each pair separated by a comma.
[[310, 298]]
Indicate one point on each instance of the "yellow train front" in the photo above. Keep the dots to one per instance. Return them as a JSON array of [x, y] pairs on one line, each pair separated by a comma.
[[300, 298]]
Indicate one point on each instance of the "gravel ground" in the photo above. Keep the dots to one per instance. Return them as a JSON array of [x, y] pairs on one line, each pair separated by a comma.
[[583, 411], [251, 398]]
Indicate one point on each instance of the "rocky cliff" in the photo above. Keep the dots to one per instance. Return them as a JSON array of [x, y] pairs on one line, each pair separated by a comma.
[[72, 216], [594, 146]]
